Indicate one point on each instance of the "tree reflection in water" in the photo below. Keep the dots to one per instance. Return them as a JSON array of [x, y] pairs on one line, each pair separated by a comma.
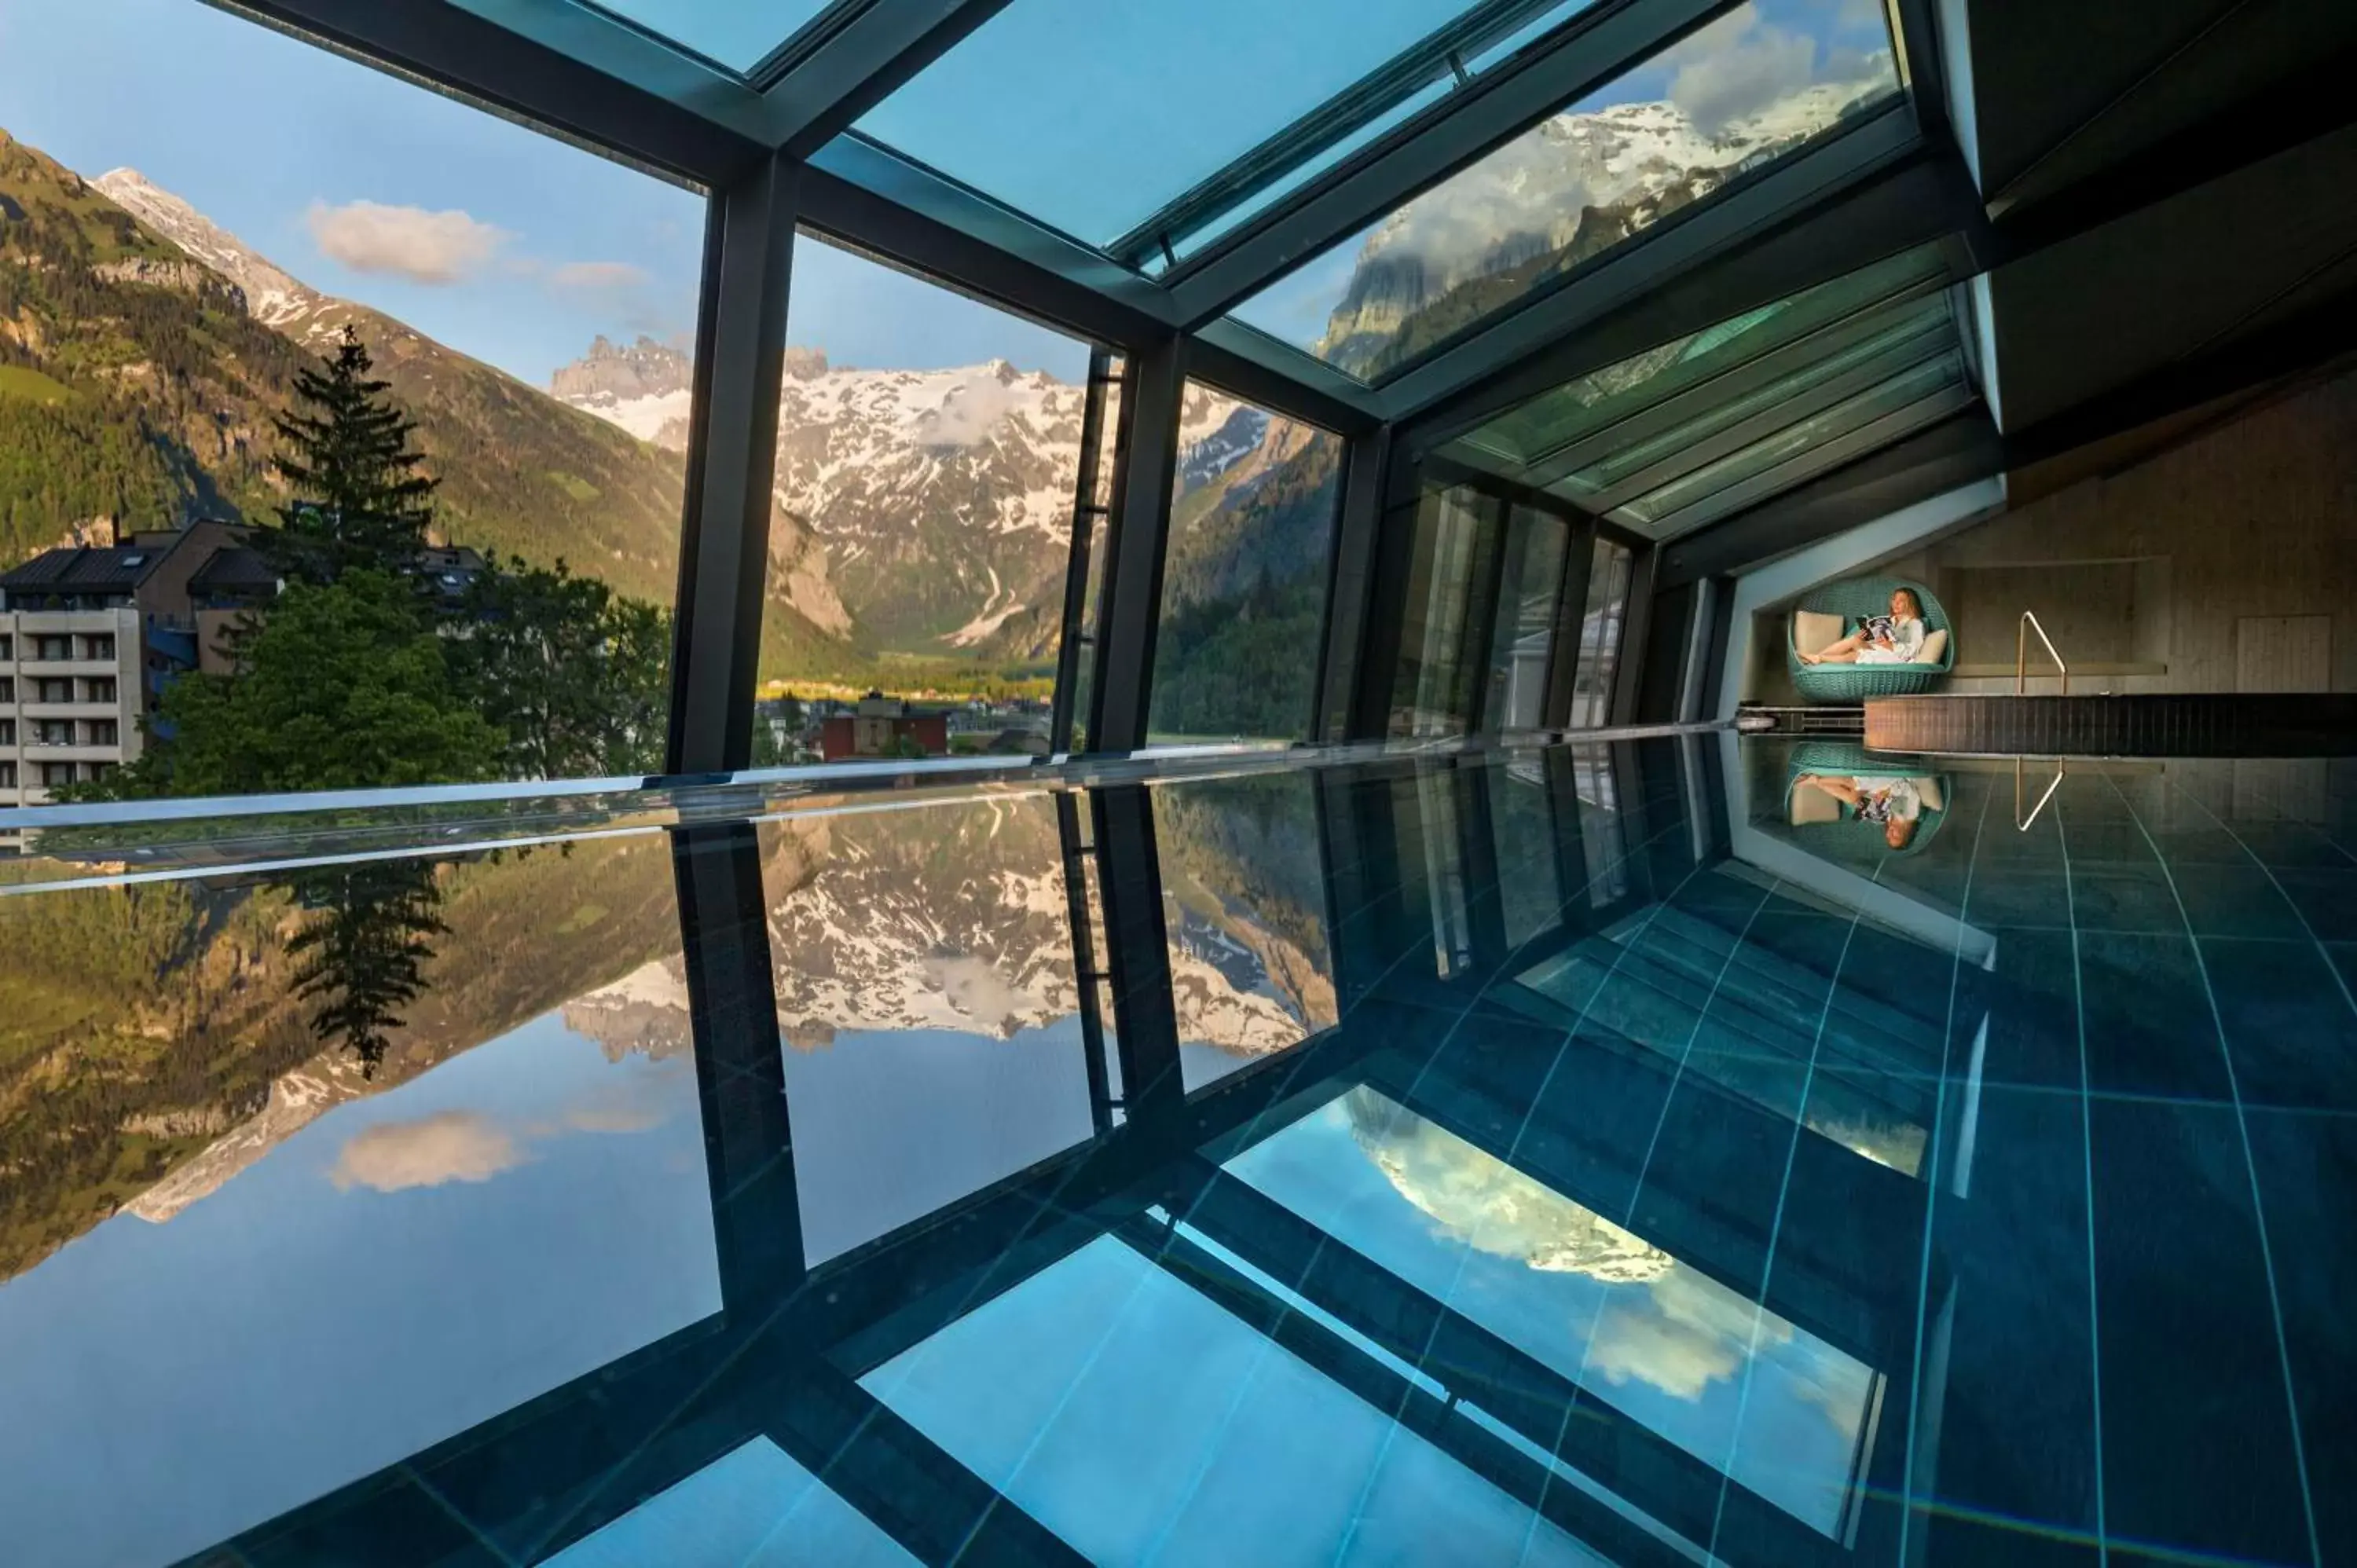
[[367, 934]]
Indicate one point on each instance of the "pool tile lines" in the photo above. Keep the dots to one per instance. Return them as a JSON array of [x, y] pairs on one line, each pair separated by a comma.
[[2259, 1214], [1935, 1178]]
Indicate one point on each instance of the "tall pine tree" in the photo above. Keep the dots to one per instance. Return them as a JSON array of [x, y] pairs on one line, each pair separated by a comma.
[[358, 499], [365, 949]]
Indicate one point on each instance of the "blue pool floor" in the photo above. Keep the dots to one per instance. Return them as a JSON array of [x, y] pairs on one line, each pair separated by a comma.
[[1592, 1156]]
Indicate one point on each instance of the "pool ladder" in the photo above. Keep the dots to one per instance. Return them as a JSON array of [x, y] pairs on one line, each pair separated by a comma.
[[2021, 653], [2021, 679]]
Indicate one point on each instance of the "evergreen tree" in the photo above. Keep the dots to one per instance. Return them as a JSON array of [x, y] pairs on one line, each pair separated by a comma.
[[358, 499], [337, 687], [363, 953], [577, 676]]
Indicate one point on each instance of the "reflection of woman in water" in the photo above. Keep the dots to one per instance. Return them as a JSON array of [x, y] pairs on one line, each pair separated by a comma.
[[1896, 803], [1894, 638]]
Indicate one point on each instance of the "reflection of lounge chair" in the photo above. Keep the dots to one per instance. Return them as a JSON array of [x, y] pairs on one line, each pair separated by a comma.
[[1833, 612], [1824, 821]]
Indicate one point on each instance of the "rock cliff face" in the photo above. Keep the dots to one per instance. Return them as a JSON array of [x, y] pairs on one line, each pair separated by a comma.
[[272, 297]]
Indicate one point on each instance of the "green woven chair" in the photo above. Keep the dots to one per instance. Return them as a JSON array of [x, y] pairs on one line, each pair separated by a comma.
[[1853, 600], [1843, 835]]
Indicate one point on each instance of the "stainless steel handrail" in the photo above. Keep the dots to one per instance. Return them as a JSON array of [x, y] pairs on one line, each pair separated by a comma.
[[2021, 824], [2021, 653]]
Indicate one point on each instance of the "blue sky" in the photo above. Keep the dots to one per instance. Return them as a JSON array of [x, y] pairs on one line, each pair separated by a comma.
[[276, 140], [403, 1267], [520, 249]]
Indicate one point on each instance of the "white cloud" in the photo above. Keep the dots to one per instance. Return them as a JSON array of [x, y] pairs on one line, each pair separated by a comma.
[[595, 276], [438, 248], [1738, 66], [976, 989], [453, 1145], [972, 409]]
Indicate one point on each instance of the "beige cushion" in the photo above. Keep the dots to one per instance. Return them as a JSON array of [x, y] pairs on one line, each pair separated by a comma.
[[1929, 788], [1811, 804], [1936, 647], [1812, 631]]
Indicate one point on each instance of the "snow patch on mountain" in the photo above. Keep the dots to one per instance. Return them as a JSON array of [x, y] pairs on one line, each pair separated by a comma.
[[273, 296]]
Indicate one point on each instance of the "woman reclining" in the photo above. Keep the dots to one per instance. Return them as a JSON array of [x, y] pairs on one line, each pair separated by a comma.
[[1894, 638]]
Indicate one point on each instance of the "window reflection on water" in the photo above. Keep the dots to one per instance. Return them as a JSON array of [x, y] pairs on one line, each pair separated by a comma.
[[1779, 1410], [1244, 906], [358, 1126]]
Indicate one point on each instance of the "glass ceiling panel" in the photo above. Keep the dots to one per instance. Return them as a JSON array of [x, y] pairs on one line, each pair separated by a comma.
[[1618, 391], [1017, 111], [1714, 491], [727, 32], [1733, 97], [1922, 328]]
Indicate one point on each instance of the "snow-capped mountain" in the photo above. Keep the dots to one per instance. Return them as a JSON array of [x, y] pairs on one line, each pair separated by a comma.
[[955, 923], [273, 297], [942, 498], [643, 387], [1568, 188]]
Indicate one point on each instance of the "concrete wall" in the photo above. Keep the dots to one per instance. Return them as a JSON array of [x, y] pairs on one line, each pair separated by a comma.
[[2143, 577]]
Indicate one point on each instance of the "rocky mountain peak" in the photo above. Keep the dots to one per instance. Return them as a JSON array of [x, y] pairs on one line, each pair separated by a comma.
[[608, 371], [273, 296]]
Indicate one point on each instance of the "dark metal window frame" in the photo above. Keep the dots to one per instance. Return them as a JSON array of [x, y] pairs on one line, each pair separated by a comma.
[[768, 145]]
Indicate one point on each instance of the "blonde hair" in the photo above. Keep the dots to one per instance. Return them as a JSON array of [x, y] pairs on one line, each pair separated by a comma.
[[1914, 600]]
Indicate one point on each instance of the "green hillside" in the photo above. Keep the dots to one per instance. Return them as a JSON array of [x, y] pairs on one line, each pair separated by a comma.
[[135, 390]]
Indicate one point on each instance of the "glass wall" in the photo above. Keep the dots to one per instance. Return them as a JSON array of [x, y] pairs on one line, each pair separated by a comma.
[[1599, 635], [929, 454], [1522, 643], [1245, 581], [1744, 91], [343, 413], [1432, 693]]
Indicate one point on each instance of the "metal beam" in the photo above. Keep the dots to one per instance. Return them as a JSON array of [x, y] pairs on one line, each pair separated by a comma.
[[1078, 638], [570, 69], [908, 1486], [1357, 524], [740, 1076], [1571, 618], [1282, 378], [1636, 625], [1437, 55], [1428, 148], [1154, 386], [1137, 957], [873, 200], [732, 454], [816, 92]]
